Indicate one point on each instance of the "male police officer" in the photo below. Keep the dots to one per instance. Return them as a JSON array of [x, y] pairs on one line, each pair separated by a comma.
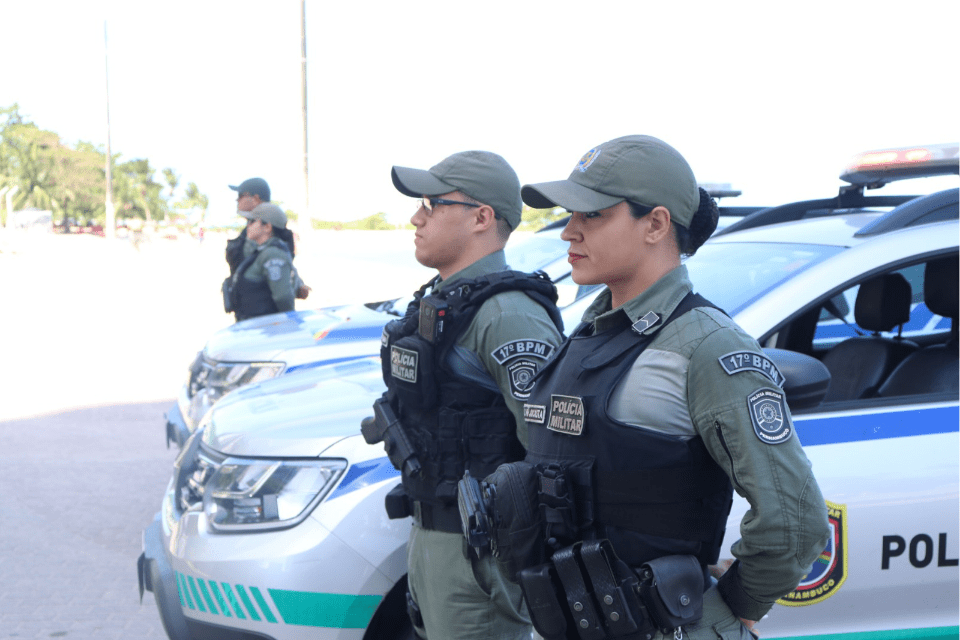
[[458, 368], [262, 283]]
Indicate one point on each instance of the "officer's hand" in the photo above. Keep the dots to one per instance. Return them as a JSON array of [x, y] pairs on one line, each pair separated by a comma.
[[303, 291], [749, 625]]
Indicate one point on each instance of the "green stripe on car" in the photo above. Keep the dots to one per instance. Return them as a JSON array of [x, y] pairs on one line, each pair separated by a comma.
[[303, 608], [340, 611], [932, 633]]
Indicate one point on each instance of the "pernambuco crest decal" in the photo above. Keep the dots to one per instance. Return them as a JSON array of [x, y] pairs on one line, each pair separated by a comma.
[[588, 159], [829, 570]]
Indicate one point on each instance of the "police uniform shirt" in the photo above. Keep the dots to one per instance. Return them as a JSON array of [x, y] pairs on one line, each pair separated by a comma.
[[508, 339], [273, 266], [703, 375]]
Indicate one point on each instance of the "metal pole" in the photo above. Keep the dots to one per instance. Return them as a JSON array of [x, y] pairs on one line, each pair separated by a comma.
[[110, 229], [303, 91]]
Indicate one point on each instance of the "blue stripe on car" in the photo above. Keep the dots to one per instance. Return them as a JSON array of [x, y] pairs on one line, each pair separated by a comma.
[[901, 423], [364, 474]]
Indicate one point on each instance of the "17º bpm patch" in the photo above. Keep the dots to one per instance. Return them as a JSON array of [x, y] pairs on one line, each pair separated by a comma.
[[768, 411], [566, 414]]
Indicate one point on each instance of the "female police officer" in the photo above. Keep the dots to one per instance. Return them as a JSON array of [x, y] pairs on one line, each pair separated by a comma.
[[641, 428], [262, 283]]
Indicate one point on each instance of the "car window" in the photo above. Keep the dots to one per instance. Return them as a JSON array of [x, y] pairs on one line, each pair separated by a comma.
[[732, 275], [837, 323]]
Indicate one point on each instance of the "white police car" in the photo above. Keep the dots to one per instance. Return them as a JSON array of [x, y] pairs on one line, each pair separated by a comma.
[[273, 524]]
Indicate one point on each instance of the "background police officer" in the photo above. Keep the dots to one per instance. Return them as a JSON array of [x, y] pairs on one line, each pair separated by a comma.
[[658, 403], [262, 283], [251, 193], [459, 396]]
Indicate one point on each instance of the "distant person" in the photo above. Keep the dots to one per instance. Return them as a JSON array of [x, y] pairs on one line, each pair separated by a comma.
[[251, 193], [262, 284]]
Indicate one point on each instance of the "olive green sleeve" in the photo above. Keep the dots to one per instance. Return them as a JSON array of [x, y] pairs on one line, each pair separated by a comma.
[[747, 428], [514, 337], [276, 268]]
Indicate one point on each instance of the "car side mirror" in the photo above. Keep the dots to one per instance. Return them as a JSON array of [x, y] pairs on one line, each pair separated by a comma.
[[806, 379]]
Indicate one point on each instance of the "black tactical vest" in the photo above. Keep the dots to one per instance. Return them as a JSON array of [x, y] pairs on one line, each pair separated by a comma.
[[454, 425], [252, 299], [649, 493]]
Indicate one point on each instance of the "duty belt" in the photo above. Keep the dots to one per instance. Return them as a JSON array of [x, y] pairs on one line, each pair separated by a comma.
[[428, 516]]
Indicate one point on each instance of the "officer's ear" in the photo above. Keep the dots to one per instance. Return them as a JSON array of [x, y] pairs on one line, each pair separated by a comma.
[[658, 225], [484, 217]]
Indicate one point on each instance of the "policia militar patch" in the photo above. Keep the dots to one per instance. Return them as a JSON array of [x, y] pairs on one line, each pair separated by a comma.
[[768, 412], [566, 414], [403, 364]]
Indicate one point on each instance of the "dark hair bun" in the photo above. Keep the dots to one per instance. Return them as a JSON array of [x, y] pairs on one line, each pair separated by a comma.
[[704, 223]]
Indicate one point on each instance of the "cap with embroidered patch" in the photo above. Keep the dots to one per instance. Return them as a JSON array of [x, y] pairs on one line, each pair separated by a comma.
[[268, 212], [481, 175], [641, 169], [254, 186]]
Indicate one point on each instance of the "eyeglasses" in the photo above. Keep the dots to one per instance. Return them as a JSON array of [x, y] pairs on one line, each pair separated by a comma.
[[430, 203]]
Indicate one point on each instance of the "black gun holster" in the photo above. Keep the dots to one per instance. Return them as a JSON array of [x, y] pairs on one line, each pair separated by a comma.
[[586, 592], [397, 503]]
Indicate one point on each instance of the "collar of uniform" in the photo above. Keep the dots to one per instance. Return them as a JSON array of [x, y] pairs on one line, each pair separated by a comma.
[[491, 263], [661, 298]]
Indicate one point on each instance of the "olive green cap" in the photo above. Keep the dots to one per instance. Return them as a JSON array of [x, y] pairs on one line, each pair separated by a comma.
[[484, 176], [641, 169], [268, 212]]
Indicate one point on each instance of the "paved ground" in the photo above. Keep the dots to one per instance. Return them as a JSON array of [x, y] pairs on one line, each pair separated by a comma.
[[95, 338]]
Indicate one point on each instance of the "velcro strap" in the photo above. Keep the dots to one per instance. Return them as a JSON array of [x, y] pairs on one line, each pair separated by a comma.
[[578, 598]]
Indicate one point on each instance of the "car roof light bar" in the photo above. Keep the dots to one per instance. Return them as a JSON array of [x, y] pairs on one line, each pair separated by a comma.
[[873, 169], [936, 207]]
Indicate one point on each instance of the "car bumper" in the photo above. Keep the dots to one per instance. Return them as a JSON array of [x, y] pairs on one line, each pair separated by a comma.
[[155, 575], [299, 583]]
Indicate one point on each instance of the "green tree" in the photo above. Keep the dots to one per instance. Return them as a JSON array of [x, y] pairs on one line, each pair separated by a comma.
[[79, 182], [534, 219], [194, 199], [172, 180], [138, 194], [26, 160]]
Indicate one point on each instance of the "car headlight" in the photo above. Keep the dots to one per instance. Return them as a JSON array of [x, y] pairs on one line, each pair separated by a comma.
[[250, 494], [227, 376]]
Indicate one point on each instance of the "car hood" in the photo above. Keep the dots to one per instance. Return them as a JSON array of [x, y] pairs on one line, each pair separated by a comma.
[[266, 337], [296, 415]]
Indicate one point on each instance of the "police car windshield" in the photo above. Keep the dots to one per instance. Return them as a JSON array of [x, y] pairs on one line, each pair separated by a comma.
[[732, 275], [536, 251]]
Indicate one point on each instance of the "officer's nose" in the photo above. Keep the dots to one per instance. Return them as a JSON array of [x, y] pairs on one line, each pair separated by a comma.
[[572, 232]]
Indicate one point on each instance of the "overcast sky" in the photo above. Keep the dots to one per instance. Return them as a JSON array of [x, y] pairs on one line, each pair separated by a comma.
[[772, 97]]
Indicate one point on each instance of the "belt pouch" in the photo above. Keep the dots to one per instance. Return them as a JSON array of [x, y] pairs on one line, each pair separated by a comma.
[[539, 586], [672, 590]]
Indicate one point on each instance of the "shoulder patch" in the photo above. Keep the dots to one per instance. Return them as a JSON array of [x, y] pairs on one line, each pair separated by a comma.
[[739, 361], [273, 267], [517, 348], [768, 412], [521, 373]]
